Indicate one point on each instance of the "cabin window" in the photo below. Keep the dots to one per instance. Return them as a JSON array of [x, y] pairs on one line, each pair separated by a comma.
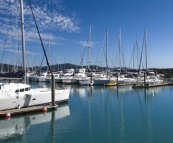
[[26, 89], [22, 90]]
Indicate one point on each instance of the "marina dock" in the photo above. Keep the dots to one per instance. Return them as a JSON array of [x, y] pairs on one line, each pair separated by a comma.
[[148, 85], [27, 110]]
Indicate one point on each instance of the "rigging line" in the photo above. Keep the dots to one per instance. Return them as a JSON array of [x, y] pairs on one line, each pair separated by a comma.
[[17, 57], [142, 65], [42, 59], [104, 54], [17, 37], [99, 59], [131, 56], [137, 50], [82, 56], [40, 37], [88, 45], [116, 55], [6, 38], [18, 51], [96, 62], [103, 48], [141, 52], [123, 57], [59, 65]]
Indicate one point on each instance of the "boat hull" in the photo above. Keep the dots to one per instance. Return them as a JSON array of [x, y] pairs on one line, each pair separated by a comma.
[[33, 98], [100, 81], [85, 81], [111, 83]]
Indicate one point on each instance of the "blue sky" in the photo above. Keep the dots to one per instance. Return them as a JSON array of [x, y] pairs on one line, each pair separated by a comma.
[[66, 24]]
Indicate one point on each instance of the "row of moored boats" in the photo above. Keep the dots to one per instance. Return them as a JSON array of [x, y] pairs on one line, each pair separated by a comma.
[[93, 77]]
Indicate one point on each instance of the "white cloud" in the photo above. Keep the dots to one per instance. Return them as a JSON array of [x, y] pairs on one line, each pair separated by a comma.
[[87, 44], [11, 1], [50, 16], [14, 49], [46, 13]]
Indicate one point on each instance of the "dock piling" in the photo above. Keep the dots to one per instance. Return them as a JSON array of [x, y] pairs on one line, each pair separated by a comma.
[[53, 89]]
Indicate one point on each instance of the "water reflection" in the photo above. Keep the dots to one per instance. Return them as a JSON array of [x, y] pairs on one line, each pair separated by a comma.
[[121, 111], [16, 128], [148, 100], [150, 91], [88, 91], [82, 91], [111, 114]]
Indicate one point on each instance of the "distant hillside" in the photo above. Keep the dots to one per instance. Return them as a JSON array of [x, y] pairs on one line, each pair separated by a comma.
[[6, 67], [69, 66]]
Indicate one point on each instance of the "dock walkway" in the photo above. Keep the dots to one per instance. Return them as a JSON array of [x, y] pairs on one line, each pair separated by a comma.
[[142, 85], [26, 110]]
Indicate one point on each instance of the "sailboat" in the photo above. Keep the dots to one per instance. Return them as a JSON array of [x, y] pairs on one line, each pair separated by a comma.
[[103, 77], [147, 77], [18, 95], [121, 77], [78, 75], [67, 76], [87, 80]]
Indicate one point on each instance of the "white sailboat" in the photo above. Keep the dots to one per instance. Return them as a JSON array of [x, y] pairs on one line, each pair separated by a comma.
[[57, 76], [67, 76], [145, 79], [85, 80], [78, 75], [102, 78], [41, 78], [149, 79], [16, 95]]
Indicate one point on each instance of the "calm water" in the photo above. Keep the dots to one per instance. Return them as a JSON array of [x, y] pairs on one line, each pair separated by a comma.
[[99, 114]]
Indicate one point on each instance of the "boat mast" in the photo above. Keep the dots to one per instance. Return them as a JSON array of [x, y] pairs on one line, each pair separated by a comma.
[[119, 43], [106, 49], [146, 48], [48, 55], [133, 55], [137, 50], [23, 40], [89, 46]]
